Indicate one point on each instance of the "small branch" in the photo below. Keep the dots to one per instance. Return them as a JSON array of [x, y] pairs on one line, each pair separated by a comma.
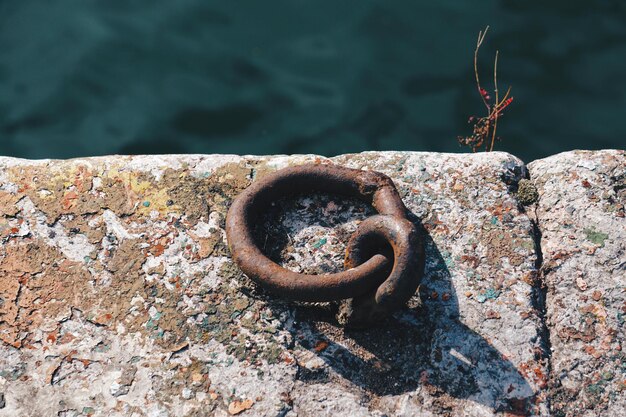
[[485, 128], [508, 91], [479, 42], [495, 117]]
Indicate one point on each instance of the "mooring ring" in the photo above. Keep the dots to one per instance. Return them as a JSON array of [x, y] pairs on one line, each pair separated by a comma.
[[392, 276]]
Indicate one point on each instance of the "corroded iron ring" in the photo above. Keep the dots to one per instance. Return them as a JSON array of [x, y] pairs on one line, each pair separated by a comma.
[[384, 258]]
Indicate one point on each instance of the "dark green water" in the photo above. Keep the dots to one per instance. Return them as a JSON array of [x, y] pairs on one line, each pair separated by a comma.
[[262, 77]]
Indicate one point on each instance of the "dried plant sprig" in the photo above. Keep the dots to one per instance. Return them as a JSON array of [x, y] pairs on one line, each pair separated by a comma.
[[485, 127]]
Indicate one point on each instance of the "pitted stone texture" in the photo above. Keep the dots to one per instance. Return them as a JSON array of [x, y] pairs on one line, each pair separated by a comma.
[[581, 218], [119, 296], [474, 348]]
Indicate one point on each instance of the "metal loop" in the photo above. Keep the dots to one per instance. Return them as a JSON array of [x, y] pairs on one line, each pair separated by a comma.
[[392, 275]]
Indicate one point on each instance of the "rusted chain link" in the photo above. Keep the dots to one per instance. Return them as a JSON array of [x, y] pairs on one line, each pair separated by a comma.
[[384, 257]]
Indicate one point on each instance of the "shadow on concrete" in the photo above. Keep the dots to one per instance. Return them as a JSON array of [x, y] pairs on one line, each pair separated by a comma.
[[425, 346]]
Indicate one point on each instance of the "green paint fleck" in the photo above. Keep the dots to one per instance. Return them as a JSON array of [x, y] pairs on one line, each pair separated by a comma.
[[146, 204], [101, 347], [87, 259], [14, 373], [88, 410], [320, 243], [494, 220], [490, 294], [447, 258], [596, 389], [160, 334], [151, 325], [596, 237], [474, 275]]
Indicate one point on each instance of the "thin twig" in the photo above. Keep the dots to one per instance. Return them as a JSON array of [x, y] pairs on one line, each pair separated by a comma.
[[504, 98], [495, 86], [479, 42]]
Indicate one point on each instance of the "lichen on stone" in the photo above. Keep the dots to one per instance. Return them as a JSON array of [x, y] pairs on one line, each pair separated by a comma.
[[527, 192]]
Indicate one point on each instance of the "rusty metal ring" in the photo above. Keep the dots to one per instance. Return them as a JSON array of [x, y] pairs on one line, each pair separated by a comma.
[[370, 273]]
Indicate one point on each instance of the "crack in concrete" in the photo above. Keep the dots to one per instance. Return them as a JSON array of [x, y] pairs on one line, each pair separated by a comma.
[[540, 292], [539, 286], [540, 289]]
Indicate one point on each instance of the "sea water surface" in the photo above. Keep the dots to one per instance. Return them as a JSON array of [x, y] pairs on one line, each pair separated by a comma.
[[93, 77]]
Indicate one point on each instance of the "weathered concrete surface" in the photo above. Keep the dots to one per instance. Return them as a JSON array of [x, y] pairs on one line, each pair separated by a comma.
[[118, 295], [580, 215]]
